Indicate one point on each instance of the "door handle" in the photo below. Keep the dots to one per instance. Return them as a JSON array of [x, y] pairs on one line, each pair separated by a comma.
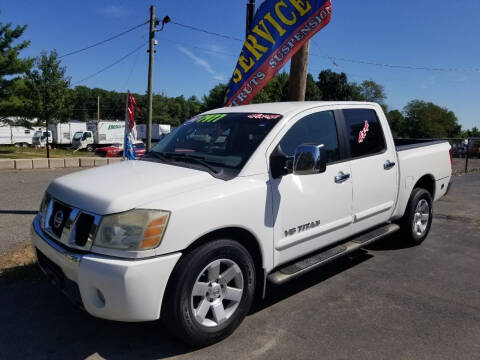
[[388, 165], [341, 177]]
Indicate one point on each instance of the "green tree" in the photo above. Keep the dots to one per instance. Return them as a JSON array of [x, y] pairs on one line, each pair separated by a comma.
[[215, 97], [313, 93], [335, 86], [427, 120], [372, 92], [396, 120], [474, 132], [12, 87], [49, 95]]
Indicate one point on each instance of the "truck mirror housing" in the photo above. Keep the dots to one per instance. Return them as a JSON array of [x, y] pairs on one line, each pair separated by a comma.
[[309, 159]]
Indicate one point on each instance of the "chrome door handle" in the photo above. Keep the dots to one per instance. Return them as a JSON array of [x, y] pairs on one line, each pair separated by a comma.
[[341, 177], [388, 165]]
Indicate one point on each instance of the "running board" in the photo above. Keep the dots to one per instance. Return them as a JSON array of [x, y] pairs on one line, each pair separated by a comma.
[[292, 270]]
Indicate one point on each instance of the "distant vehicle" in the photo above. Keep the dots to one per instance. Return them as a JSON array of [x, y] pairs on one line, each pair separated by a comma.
[[99, 134], [109, 151], [158, 131], [60, 134], [474, 148], [40, 138], [16, 135], [116, 150]]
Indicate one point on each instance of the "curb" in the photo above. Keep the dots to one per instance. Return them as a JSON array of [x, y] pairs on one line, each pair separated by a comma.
[[55, 163]]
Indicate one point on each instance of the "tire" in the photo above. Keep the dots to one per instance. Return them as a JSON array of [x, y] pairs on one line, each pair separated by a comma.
[[416, 223], [89, 148], [217, 307]]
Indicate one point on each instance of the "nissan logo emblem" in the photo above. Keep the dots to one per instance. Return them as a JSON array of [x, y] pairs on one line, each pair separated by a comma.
[[58, 219]]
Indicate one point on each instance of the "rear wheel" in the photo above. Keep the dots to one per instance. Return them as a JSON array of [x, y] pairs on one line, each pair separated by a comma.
[[210, 292], [89, 148], [418, 216]]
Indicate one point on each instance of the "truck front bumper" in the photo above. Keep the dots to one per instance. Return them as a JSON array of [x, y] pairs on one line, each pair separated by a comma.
[[106, 287]]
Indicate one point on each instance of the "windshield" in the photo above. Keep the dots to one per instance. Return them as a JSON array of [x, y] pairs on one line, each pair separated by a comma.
[[78, 135], [225, 140]]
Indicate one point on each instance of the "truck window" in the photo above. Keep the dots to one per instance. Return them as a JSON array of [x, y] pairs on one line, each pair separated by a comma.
[[318, 128], [364, 132]]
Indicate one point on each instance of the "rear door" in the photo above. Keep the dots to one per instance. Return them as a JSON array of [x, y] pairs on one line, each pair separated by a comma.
[[373, 165]]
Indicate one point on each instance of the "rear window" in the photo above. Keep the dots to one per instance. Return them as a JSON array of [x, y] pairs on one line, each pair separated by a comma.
[[365, 135]]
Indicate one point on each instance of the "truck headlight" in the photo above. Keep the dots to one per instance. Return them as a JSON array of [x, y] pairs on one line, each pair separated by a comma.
[[132, 230]]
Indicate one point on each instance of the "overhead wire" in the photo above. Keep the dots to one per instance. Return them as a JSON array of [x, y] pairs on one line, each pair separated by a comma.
[[103, 41], [335, 58], [206, 31], [111, 65]]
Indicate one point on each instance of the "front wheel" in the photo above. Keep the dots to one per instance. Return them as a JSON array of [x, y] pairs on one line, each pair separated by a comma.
[[210, 292], [90, 148], [417, 220]]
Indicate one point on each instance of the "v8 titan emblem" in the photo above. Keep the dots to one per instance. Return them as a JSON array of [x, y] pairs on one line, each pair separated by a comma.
[[58, 219], [301, 228]]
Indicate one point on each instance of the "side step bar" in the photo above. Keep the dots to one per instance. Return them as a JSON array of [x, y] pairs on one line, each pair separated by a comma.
[[293, 270]]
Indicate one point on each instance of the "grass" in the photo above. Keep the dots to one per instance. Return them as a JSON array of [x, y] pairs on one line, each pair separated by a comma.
[[12, 152], [18, 264]]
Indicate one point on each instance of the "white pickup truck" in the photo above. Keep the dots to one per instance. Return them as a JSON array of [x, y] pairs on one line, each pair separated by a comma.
[[234, 198]]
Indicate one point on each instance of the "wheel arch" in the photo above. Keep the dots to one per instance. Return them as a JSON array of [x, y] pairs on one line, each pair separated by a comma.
[[244, 237], [426, 182]]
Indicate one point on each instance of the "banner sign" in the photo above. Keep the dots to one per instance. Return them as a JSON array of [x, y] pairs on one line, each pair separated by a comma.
[[279, 30], [130, 128]]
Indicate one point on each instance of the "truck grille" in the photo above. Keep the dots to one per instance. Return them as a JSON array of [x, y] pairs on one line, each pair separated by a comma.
[[68, 225]]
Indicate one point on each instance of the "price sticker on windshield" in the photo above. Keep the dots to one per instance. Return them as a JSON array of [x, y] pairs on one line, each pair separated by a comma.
[[264, 116]]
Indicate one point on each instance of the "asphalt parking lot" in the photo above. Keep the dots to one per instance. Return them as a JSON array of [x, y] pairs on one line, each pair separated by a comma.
[[388, 301]]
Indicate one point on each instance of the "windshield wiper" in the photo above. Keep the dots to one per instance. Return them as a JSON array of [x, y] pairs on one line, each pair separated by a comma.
[[194, 158]]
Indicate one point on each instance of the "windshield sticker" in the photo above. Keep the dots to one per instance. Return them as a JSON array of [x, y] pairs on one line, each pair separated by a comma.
[[363, 134], [211, 118], [264, 116]]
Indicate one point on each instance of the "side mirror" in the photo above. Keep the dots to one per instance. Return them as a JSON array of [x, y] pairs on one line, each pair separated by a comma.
[[309, 159]]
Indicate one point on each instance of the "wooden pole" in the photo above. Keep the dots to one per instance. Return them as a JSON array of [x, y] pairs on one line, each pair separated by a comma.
[[151, 35], [298, 74]]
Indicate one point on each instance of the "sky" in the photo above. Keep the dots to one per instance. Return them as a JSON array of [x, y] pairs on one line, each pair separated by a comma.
[[427, 33]]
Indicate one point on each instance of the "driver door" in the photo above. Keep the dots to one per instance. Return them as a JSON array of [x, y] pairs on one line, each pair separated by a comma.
[[311, 211]]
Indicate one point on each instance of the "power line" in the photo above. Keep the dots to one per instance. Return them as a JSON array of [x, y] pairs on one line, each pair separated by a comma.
[[333, 58], [207, 32], [111, 65], [103, 41], [391, 66]]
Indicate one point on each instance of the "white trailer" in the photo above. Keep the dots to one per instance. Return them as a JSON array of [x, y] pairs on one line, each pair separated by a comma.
[[62, 133], [99, 133], [16, 135], [158, 131]]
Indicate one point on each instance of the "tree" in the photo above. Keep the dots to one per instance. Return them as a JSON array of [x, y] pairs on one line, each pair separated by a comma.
[[335, 86], [12, 87], [215, 98], [48, 88], [372, 92], [474, 132], [396, 120], [427, 120], [313, 93]]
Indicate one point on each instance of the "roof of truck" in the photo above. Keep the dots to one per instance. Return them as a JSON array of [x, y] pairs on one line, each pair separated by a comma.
[[284, 108]]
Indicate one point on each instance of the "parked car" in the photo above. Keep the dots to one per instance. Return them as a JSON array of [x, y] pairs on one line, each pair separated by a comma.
[[140, 150], [231, 200], [110, 151]]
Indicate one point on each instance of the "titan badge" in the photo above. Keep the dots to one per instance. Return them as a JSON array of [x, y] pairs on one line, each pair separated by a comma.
[[301, 228]]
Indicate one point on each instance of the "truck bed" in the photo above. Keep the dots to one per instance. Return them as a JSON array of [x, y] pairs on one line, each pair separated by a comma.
[[407, 144]]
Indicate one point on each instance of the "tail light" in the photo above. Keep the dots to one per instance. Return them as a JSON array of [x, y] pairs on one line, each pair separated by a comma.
[[450, 152]]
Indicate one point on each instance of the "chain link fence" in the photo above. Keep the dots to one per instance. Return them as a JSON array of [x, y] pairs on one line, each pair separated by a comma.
[[466, 154]]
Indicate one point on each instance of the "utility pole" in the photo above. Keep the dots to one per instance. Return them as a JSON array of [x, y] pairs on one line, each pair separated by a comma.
[[98, 108], [250, 14], [48, 146], [151, 36], [298, 74]]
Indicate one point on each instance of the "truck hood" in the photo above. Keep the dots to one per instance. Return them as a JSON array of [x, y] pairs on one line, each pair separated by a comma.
[[126, 185]]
